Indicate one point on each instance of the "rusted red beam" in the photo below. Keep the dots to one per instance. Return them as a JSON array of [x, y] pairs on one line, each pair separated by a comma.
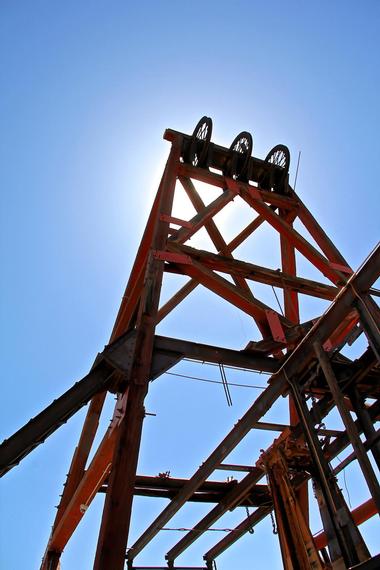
[[232, 294], [115, 524], [210, 491], [291, 311], [283, 280], [354, 436], [177, 298], [288, 263], [80, 457], [84, 494], [134, 286], [200, 220], [230, 500], [16, 447], [295, 364], [325, 326], [214, 179], [217, 354], [245, 526], [200, 206], [319, 235], [254, 199], [246, 232], [124, 316], [192, 284], [240, 430], [212, 229]]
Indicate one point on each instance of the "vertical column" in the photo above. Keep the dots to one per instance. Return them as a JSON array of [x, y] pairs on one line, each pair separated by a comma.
[[353, 434], [291, 310], [288, 262], [341, 524], [366, 423], [114, 529], [370, 320]]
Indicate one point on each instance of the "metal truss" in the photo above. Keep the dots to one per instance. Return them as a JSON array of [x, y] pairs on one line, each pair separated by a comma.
[[304, 361]]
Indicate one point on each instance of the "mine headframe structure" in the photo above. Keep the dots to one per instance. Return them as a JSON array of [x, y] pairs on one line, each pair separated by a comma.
[[304, 361]]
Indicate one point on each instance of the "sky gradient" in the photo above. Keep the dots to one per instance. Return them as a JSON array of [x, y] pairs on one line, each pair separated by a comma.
[[88, 89]]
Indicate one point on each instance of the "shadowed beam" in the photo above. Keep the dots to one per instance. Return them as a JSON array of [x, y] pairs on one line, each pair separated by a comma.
[[233, 294], [360, 515], [112, 365], [203, 175], [14, 449], [212, 229], [203, 217], [245, 526], [209, 491], [258, 273], [228, 502], [178, 348], [297, 361], [262, 404], [252, 197], [193, 283]]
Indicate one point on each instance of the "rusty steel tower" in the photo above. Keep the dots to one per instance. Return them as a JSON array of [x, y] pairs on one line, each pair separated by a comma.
[[304, 361]]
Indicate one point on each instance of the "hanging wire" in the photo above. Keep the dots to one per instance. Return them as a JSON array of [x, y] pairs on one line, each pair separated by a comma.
[[184, 529], [274, 528], [197, 378], [228, 366], [298, 164], [278, 302], [345, 482], [251, 530], [225, 385]]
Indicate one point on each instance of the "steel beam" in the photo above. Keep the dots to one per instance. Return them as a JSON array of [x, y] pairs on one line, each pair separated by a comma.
[[255, 412], [331, 451], [14, 449], [349, 424], [228, 502], [203, 217], [215, 354], [294, 365], [114, 529], [254, 199], [192, 283], [366, 422], [362, 280], [369, 318], [283, 280], [245, 526], [212, 229], [214, 179], [319, 235], [208, 492], [359, 515], [231, 293]]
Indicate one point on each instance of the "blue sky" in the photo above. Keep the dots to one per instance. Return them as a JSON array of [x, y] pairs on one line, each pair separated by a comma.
[[88, 89]]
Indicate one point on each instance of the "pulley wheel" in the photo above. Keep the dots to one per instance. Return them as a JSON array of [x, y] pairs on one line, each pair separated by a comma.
[[280, 157], [240, 153], [200, 141]]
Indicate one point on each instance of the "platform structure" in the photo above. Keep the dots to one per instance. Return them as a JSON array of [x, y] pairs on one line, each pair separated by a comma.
[[304, 361]]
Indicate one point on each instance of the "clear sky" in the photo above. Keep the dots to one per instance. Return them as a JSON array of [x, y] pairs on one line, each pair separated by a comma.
[[87, 91]]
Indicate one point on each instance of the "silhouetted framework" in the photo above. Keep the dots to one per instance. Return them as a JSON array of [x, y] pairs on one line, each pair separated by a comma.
[[304, 360]]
